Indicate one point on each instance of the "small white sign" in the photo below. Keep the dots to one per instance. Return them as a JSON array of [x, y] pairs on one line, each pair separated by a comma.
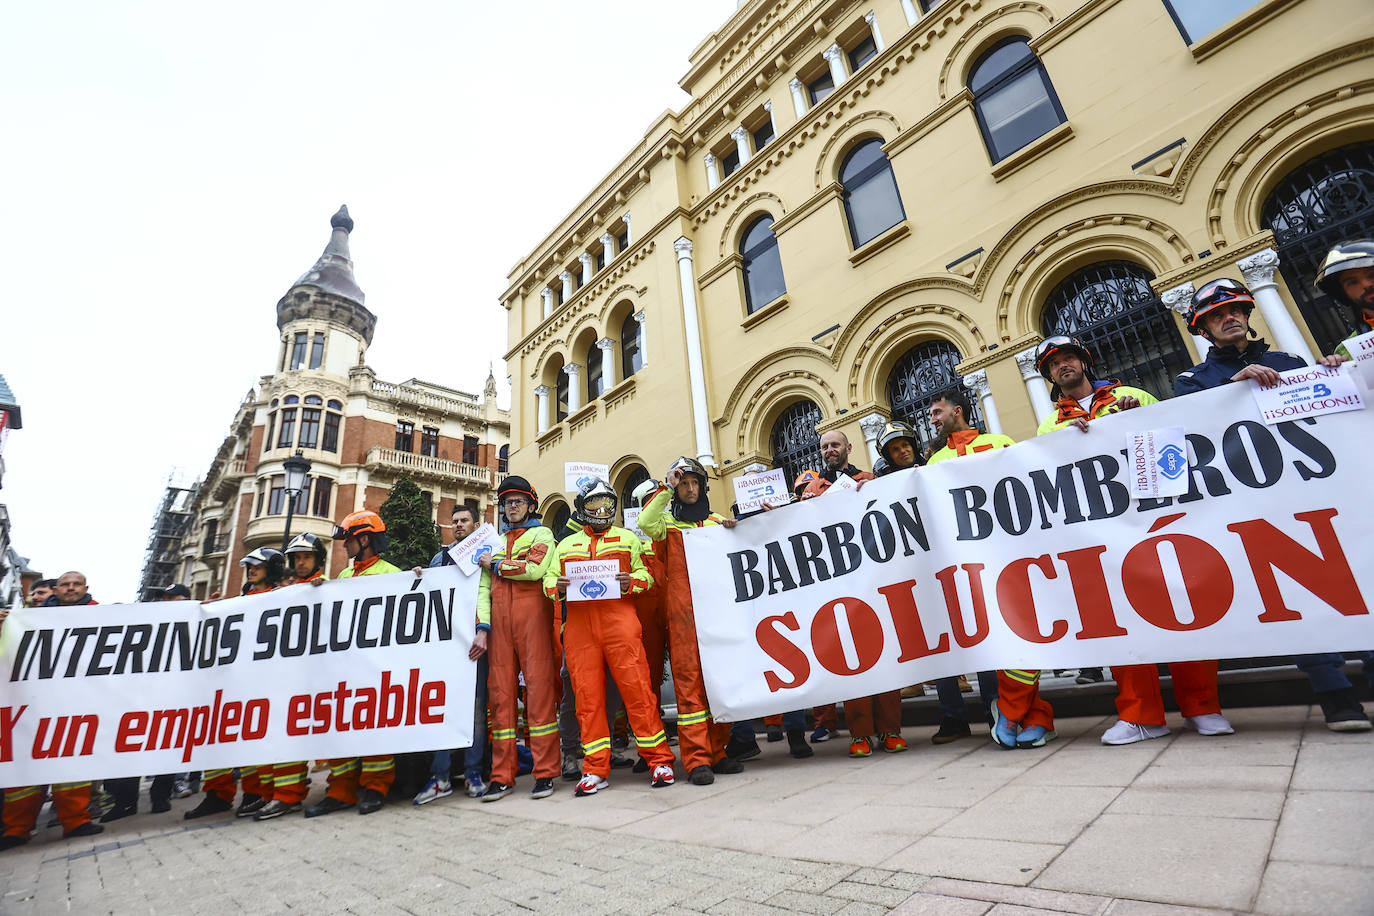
[[1158, 461], [1362, 351], [577, 473], [844, 482], [755, 491], [592, 580], [632, 522], [1307, 392], [467, 553]]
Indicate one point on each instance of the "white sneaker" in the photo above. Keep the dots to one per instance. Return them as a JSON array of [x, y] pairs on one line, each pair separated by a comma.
[[1124, 732], [663, 776], [1212, 723], [434, 789], [590, 785]]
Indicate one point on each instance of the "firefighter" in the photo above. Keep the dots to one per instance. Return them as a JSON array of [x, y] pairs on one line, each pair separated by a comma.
[[364, 541], [603, 633], [511, 595], [1347, 276], [263, 570], [681, 503], [653, 620]]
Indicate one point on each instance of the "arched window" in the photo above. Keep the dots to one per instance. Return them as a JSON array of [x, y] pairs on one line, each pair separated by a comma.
[[871, 202], [595, 382], [1328, 199], [922, 373], [631, 359], [1111, 308], [503, 460], [762, 266], [638, 474], [1013, 97], [561, 395], [557, 520], [796, 444]]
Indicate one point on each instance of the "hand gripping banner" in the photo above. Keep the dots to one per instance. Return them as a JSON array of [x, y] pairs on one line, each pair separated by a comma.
[[1037, 556], [365, 665]]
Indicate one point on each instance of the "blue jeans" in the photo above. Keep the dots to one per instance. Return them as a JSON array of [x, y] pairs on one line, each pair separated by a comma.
[[952, 698], [1324, 669], [791, 721], [473, 755]]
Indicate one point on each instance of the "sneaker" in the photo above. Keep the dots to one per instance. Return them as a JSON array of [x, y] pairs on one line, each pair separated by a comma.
[[572, 767], [182, 789], [742, 750], [1342, 711], [797, 746], [496, 791], [822, 734], [893, 743], [590, 785], [1003, 729], [210, 804], [87, 829], [1124, 732], [250, 805], [276, 808], [1212, 723], [774, 734], [701, 776], [543, 788], [859, 747], [436, 788], [1089, 676], [1035, 736], [951, 729], [327, 805], [727, 767], [474, 783], [663, 776]]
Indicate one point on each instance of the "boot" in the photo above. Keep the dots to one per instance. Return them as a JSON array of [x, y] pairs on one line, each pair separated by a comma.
[[796, 744], [210, 804]]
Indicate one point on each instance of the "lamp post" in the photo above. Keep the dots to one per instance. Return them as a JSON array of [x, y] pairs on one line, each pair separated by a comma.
[[296, 468]]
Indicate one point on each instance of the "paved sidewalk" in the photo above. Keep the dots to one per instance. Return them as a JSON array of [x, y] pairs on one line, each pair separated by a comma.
[[1277, 819]]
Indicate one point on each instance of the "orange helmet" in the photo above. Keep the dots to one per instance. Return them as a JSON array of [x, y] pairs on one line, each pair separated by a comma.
[[804, 480], [364, 521]]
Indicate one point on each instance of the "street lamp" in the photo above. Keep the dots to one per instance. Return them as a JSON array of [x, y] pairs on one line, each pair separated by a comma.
[[296, 468]]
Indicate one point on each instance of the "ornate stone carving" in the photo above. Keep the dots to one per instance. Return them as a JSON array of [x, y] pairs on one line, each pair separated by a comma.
[[1258, 269], [1025, 361], [978, 381], [1178, 298]]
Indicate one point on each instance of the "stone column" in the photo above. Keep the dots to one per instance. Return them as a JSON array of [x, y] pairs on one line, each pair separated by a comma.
[[566, 277], [1035, 384], [547, 295], [643, 338], [741, 138], [835, 58], [798, 97], [607, 247], [909, 9], [607, 348], [873, 425], [629, 239], [696, 370], [1177, 299], [1258, 271], [541, 398], [586, 259], [574, 387], [712, 172], [978, 381], [872, 21]]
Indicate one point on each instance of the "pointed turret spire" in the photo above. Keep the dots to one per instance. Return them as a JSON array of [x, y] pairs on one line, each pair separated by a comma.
[[490, 390], [333, 272]]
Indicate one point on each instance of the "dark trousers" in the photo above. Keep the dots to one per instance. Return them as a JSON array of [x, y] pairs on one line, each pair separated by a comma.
[[125, 790]]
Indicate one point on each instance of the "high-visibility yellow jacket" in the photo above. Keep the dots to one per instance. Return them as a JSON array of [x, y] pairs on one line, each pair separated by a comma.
[[968, 442], [519, 567], [618, 544], [1105, 396]]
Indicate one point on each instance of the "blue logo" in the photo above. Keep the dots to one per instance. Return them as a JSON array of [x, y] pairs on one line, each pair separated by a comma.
[[479, 553], [1172, 462], [591, 590], [583, 481]]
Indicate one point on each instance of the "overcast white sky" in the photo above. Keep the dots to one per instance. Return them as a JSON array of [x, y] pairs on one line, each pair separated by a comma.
[[169, 170]]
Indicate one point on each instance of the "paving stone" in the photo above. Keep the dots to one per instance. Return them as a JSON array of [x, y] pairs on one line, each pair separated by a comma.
[[1000, 861], [1304, 889], [1321, 828], [798, 902], [1041, 814], [1210, 802], [1342, 767], [938, 905], [1019, 896], [869, 893]]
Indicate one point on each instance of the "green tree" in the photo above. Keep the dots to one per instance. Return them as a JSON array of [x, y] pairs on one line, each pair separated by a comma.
[[412, 537]]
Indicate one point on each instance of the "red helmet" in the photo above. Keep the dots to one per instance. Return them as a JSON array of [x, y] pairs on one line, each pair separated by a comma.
[[1061, 343]]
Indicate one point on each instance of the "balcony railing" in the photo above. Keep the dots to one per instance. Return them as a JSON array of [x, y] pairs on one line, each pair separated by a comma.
[[418, 397], [423, 466], [216, 545]]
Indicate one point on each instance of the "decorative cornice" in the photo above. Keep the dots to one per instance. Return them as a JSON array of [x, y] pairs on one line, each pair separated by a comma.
[[746, 379], [1004, 351], [1208, 266], [971, 33]]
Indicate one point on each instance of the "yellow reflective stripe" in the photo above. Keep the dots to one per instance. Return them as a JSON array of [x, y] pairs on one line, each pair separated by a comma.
[[372, 766], [546, 729], [692, 718], [503, 734], [343, 768], [247, 771], [67, 786], [16, 794], [289, 773], [650, 741], [601, 744], [211, 774], [1024, 677]]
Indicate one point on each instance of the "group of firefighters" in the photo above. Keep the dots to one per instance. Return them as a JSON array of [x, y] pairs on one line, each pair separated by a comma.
[[528, 634]]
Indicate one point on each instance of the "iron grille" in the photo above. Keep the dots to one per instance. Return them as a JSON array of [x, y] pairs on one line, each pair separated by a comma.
[[923, 372], [1326, 200], [1111, 308], [796, 444], [637, 476]]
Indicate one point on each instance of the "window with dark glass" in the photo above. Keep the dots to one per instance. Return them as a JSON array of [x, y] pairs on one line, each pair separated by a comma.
[[1013, 98], [729, 163], [872, 203], [429, 441], [405, 436], [919, 377], [763, 280], [796, 444], [599, 260], [211, 529], [561, 396], [317, 351], [576, 271], [324, 487], [302, 499], [558, 293], [298, 350], [928, 5], [558, 520], [820, 87], [763, 135], [1196, 19], [503, 460], [622, 241], [862, 53], [331, 432], [291, 399], [469, 450], [271, 427], [288, 427], [638, 474], [310, 427], [594, 379], [262, 495], [276, 500], [630, 359]]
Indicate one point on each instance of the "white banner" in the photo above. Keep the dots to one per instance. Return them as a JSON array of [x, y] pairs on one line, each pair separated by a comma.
[[366, 665], [1037, 557]]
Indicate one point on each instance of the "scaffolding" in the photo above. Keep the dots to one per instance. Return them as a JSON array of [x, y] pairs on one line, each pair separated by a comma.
[[171, 524]]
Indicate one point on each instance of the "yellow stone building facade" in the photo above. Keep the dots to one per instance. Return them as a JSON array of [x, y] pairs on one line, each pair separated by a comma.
[[867, 202]]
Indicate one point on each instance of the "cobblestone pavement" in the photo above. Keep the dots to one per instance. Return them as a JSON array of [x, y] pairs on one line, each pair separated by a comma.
[[1277, 819]]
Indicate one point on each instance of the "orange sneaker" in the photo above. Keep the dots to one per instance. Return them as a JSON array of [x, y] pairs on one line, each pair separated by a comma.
[[859, 747], [893, 743]]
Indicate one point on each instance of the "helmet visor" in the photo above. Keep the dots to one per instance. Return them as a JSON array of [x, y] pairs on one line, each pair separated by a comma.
[[1220, 291], [600, 507]]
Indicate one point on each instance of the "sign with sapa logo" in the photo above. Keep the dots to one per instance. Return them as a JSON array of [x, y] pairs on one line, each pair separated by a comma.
[[1172, 461], [591, 590]]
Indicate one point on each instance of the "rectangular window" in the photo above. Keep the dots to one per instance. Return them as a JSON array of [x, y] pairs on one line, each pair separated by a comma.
[[763, 135], [271, 426], [1196, 19], [405, 436], [302, 499], [820, 87], [862, 53], [323, 489], [288, 427], [622, 241], [729, 163], [262, 495], [926, 5], [317, 351], [331, 433], [503, 460], [429, 442], [310, 427], [276, 501], [469, 450], [576, 277], [298, 351], [599, 260]]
